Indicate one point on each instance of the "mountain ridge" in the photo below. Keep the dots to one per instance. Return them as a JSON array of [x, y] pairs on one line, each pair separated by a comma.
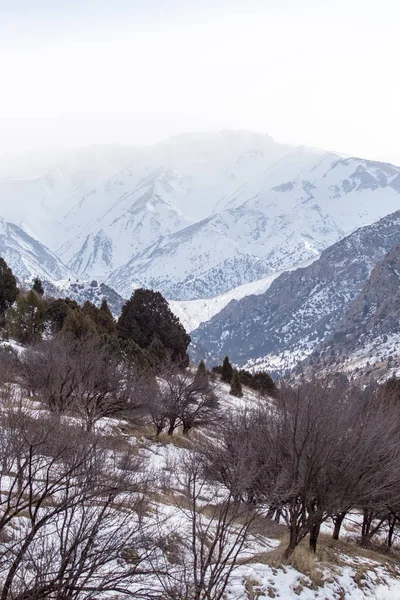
[[300, 309]]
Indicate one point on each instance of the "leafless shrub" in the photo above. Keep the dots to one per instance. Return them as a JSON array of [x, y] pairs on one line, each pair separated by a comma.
[[67, 520]]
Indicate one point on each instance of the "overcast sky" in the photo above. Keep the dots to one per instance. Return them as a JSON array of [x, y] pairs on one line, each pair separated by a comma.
[[314, 72]]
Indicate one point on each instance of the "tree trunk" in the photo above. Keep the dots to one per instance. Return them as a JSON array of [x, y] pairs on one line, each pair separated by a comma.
[[314, 533], [186, 429], [293, 540], [366, 527], [338, 520], [392, 524]]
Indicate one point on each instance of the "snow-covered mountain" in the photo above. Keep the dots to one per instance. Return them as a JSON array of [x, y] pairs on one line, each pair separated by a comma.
[[137, 218], [40, 190], [300, 309], [274, 229], [27, 257], [199, 214]]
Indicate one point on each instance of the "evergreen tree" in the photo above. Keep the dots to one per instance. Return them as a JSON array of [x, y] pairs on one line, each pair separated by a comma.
[[26, 320], [128, 351], [236, 386], [101, 317], [157, 352], [105, 321], [37, 286], [147, 314], [8, 289], [201, 376], [246, 378], [227, 371], [90, 310], [78, 324], [58, 310], [264, 383]]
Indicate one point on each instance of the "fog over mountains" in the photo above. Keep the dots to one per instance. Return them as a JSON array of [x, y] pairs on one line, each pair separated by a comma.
[[197, 215], [203, 218]]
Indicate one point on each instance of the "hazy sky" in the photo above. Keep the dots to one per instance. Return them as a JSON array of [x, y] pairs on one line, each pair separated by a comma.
[[314, 72]]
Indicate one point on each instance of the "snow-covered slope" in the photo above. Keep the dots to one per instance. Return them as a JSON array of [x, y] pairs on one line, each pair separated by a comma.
[[137, 218], [192, 313], [300, 309], [274, 229], [47, 187], [27, 257], [199, 214]]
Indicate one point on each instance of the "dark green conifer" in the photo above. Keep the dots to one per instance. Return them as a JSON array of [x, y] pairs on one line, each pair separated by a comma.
[[37, 286], [201, 376], [157, 352], [78, 324], [105, 321], [26, 319], [8, 289], [236, 386], [57, 311], [227, 371], [147, 314]]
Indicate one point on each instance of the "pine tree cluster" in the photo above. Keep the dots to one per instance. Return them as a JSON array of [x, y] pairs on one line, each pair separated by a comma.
[[260, 381], [146, 332]]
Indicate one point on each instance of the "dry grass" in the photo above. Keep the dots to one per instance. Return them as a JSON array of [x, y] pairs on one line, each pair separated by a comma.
[[251, 592], [331, 556], [307, 563], [179, 441]]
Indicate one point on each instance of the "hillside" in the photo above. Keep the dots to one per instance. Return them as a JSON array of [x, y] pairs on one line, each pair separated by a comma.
[[81, 291], [366, 337], [282, 326], [29, 258], [136, 513]]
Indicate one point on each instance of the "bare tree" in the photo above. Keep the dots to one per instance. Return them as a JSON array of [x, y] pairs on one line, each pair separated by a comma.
[[47, 370], [216, 530], [70, 526], [183, 400], [82, 376]]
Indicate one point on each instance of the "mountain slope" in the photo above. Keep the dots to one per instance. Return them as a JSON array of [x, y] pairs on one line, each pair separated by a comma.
[[27, 257], [136, 219], [300, 308], [39, 197], [199, 214], [369, 330], [273, 230]]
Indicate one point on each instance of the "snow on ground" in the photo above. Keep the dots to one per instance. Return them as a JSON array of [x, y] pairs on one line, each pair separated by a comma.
[[192, 313], [286, 583], [260, 574], [381, 353]]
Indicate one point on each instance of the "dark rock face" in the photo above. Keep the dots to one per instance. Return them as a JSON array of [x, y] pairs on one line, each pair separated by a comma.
[[374, 313], [301, 308]]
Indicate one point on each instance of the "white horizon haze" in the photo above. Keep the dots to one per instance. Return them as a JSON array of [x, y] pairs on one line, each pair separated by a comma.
[[88, 73]]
